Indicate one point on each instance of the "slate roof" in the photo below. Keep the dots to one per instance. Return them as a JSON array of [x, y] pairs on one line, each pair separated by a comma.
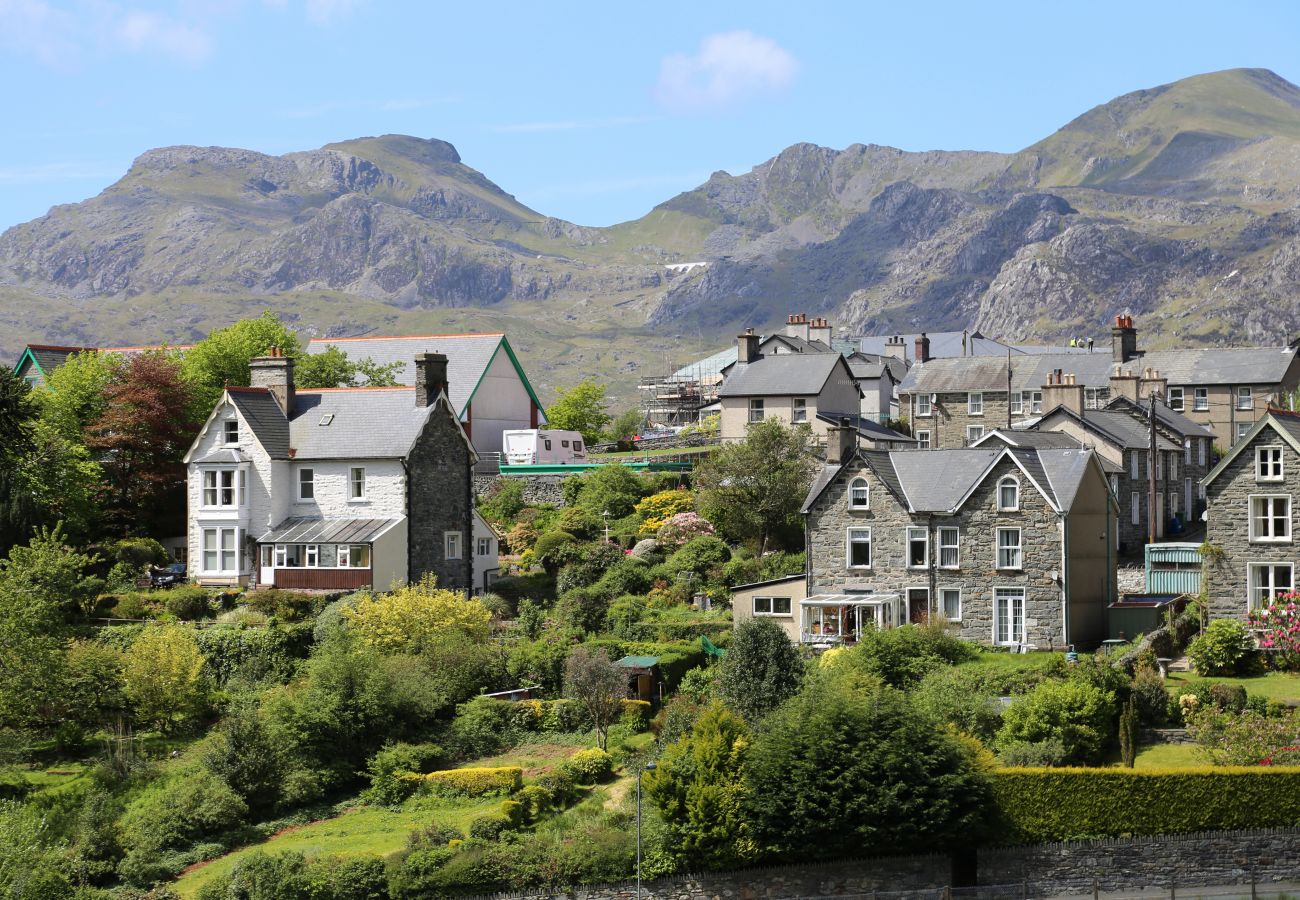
[[938, 481], [1173, 419], [872, 365], [781, 375], [49, 357], [264, 417], [867, 427], [1285, 422], [1119, 428], [1191, 366], [304, 530], [468, 357], [1039, 440], [942, 344]]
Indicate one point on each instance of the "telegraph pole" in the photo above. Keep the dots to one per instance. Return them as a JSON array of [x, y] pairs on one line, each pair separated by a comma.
[[1151, 476]]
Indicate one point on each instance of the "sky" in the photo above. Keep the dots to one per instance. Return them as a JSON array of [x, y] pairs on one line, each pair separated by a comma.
[[591, 112]]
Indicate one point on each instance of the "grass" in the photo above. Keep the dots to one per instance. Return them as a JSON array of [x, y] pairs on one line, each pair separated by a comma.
[[1176, 756], [365, 830], [1015, 662], [57, 777], [1280, 686]]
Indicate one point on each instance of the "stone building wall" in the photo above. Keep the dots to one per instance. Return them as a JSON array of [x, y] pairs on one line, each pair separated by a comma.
[[441, 500], [950, 417]]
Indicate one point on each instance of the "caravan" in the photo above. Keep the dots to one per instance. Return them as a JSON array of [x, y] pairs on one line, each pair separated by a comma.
[[542, 447]]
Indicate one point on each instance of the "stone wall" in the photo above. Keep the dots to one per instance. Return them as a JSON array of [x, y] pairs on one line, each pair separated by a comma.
[[539, 490], [950, 418], [441, 500], [976, 576], [1225, 578]]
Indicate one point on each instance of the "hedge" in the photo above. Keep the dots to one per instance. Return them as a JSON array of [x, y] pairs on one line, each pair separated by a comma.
[[1038, 805], [589, 766], [476, 782], [636, 715]]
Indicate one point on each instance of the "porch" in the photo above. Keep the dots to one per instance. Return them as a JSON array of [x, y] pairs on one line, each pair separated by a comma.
[[322, 554], [832, 620]]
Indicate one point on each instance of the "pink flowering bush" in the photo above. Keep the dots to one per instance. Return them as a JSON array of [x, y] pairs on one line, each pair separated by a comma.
[[1278, 626], [681, 528]]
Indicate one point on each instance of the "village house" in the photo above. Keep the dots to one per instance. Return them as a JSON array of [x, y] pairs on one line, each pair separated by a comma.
[[38, 361], [489, 389], [487, 558], [332, 489], [952, 402], [1015, 546], [1251, 552]]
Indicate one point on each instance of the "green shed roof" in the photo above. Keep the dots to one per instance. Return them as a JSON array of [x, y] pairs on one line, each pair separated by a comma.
[[638, 662]]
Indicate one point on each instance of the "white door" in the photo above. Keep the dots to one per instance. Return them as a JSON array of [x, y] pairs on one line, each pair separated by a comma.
[[267, 573]]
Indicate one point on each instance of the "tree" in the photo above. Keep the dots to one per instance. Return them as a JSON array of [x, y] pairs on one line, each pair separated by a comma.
[[146, 426], [332, 369], [625, 426], [609, 489], [73, 394], [752, 490], [243, 754], [581, 409], [411, 616], [17, 509], [761, 669], [598, 686], [848, 764], [163, 676], [699, 788], [52, 574], [223, 357]]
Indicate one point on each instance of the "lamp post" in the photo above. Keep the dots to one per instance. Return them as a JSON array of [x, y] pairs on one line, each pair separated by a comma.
[[649, 767], [605, 514]]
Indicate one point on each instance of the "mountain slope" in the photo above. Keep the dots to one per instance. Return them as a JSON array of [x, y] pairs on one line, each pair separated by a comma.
[[1178, 203]]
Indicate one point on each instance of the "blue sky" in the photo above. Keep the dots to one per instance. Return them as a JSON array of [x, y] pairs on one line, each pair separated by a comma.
[[590, 112]]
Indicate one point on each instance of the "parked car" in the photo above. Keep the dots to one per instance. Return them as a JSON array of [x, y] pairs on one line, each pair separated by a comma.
[[167, 576]]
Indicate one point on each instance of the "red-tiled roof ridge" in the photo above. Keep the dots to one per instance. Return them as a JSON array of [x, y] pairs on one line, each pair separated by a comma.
[[405, 337], [147, 347], [245, 389], [61, 349], [360, 387]]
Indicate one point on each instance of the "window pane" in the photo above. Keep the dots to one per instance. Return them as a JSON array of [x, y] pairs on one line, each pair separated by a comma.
[[762, 606], [781, 606]]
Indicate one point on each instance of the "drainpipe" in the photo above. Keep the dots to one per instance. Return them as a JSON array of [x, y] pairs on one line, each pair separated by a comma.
[[933, 553], [1065, 580]]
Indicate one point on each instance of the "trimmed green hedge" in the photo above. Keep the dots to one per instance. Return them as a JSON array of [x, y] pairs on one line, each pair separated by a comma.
[[1037, 805], [476, 782]]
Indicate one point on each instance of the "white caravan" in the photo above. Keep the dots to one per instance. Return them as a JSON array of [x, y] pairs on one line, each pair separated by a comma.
[[542, 447]]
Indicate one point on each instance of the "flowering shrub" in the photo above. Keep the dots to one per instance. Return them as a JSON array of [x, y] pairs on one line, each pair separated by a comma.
[[1278, 625], [681, 528], [1240, 739], [1283, 756], [657, 509]]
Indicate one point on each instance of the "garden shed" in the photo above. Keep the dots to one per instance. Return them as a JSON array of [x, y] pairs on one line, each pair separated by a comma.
[[1173, 568], [643, 680]]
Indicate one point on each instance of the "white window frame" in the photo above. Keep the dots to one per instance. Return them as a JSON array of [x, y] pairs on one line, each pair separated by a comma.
[[975, 403], [924, 406], [222, 489], [1015, 563], [223, 548], [281, 556], [452, 545], [1200, 399], [1243, 428], [1173, 466], [1135, 465], [311, 556], [1202, 452], [1187, 451], [772, 610], [799, 411], [949, 546], [228, 427], [922, 534], [756, 411], [1269, 469], [923, 439], [1244, 399], [1013, 482], [848, 548], [356, 484], [1175, 402], [856, 485], [1017, 402], [1160, 465], [1269, 503], [306, 479], [1256, 593], [483, 546], [1173, 501], [943, 606], [341, 559], [1114, 485], [1091, 398], [973, 433], [1035, 401], [1135, 501], [1012, 597]]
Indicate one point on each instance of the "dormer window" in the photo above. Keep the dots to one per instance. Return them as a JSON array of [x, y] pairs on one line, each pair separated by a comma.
[[230, 432], [859, 494], [1268, 463], [1008, 494]]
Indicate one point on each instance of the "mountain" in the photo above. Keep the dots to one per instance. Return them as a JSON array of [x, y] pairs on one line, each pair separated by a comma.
[[1180, 203]]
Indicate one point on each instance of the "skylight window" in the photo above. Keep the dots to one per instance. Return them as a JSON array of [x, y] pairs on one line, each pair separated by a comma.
[[327, 418]]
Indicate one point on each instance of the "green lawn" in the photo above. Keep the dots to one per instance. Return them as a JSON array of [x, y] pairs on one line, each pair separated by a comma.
[[57, 777], [365, 830], [1177, 756], [1282, 686]]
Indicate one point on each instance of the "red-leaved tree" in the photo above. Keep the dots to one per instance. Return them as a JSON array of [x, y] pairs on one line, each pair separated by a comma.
[[147, 424]]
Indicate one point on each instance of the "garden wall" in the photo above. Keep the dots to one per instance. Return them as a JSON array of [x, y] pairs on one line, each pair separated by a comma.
[[539, 490]]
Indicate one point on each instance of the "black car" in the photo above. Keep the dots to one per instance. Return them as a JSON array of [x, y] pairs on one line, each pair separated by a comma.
[[167, 576]]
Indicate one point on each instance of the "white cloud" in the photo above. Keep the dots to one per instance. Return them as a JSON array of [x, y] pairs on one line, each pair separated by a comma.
[[38, 28], [728, 68], [570, 125], [324, 12], [145, 32]]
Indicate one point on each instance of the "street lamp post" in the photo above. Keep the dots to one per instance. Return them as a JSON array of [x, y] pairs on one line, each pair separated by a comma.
[[605, 514], [649, 767]]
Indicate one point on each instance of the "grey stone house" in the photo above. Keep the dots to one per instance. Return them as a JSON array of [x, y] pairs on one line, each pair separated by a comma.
[[332, 489], [1014, 545], [1250, 522]]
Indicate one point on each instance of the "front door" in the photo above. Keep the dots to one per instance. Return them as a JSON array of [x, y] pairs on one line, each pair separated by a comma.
[[266, 576], [918, 605]]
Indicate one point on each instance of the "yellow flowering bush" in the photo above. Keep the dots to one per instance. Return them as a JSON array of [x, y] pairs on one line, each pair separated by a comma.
[[658, 508], [407, 617]]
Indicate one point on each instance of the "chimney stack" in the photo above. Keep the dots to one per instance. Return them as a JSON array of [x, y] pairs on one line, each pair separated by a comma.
[[430, 378], [922, 348], [896, 348], [1151, 382], [820, 330], [841, 441], [797, 325], [275, 373], [1124, 384], [747, 348], [1062, 390], [1124, 339]]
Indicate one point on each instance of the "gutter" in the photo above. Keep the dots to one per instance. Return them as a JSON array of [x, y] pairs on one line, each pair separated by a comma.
[[1065, 578]]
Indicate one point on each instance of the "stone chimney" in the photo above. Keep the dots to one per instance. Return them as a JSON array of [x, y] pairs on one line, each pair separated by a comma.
[[797, 325], [1124, 339], [896, 348], [747, 348], [1151, 382], [1062, 389], [841, 441], [1123, 384], [922, 348], [430, 377], [820, 330], [275, 373]]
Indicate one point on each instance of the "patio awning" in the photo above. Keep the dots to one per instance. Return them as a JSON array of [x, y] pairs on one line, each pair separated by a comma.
[[829, 600], [302, 530]]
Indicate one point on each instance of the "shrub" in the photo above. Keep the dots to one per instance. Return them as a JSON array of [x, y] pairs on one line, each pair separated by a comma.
[[1228, 697], [901, 657], [489, 827], [504, 501], [959, 696], [174, 813], [590, 766], [699, 555], [1150, 696], [1036, 754], [483, 726], [135, 606], [587, 564], [254, 654], [683, 528], [393, 761], [580, 523], [1224, 648], [1078, 714], [1038, 805], [1241, 738], [287, 606], [475, 782], [187, 602], [636, 715], [761, 669], [347, 878], [1279, 627]]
